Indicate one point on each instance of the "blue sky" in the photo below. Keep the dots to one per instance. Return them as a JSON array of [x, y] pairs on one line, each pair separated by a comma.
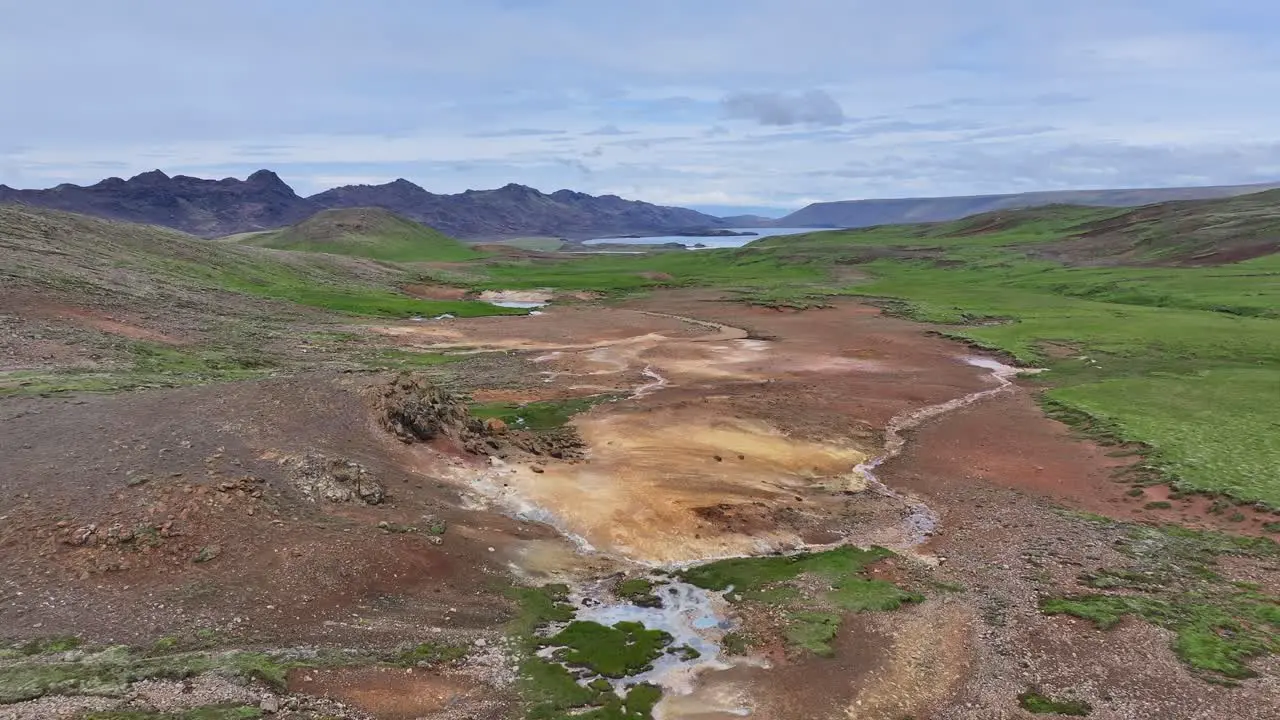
[[709, 103]]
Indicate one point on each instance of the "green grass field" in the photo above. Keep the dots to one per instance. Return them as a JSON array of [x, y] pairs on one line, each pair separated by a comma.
[[1199, 387]]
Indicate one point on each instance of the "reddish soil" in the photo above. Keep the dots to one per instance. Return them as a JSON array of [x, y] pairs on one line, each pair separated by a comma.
[[113, 324], [189, 465], [1006, 441], [401, 694]]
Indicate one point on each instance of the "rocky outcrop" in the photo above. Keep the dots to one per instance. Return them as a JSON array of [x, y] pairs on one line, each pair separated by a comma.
[[335, 480], [414, 409]]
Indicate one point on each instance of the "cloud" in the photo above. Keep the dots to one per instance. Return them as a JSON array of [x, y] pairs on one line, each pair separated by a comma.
[[1048, 99], [609, 129], [646, 143], [576, 165], [517, 132], [950, 98], [813, 107]]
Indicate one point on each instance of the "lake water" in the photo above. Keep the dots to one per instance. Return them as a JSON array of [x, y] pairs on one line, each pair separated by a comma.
[[711, 242]]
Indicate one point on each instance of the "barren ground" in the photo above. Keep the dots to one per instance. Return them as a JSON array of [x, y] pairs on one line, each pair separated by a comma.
[[735, 431]]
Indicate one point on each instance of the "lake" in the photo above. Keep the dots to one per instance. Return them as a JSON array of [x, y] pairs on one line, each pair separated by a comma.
[[710, 242]]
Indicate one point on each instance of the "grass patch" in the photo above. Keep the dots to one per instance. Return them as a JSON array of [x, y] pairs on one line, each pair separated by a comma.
[[858, 594], [544, 244], [44, 646], [624, 274], [550, 691], [812, 631], [1173, 583], [1035, 702], [813, 617], [637, 591], [396, 359], [110, 671], [625, 649], [538, 607], [429, 653], [744, 574], [146, 365], [544, 415], [735, 643], [356, 300], [1191, 437]]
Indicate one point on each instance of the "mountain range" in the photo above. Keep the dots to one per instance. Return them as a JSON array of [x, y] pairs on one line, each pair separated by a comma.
[[262, 201]]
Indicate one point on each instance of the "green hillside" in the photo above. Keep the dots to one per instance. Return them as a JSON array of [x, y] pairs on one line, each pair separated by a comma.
[[78, 256], [365, 232]]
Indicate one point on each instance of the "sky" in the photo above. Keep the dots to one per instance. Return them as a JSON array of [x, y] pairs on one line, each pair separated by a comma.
[[723, 105]]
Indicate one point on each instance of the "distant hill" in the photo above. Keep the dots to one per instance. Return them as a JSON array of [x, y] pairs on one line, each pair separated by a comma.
[[193, 205], [746, 221], [1192, 232], [1218, 231], [865, 213], [68, 258], [364, 232], [213, 208], [519, 211]]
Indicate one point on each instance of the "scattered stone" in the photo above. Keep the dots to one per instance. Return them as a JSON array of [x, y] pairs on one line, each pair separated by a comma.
[[336, 480], [207, 553], [538, 469]]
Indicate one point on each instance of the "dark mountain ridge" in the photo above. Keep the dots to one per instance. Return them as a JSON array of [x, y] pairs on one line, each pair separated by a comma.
[[194, 205], [263, 201], [514, 210]]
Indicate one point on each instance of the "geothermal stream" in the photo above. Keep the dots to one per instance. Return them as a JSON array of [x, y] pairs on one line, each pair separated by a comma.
[[698, 618], [921, 522]]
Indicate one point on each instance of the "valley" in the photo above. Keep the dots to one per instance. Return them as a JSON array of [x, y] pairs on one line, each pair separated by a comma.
[[1019, 464]]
